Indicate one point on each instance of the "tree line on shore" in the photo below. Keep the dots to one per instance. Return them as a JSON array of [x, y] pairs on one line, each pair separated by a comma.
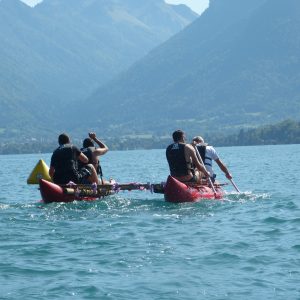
[[285, 132]]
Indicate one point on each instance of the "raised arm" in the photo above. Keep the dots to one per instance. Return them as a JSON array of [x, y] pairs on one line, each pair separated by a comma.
[[102, 147], [83, 158]]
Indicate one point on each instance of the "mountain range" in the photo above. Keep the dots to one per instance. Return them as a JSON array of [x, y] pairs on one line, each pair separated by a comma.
[[237, 66], [93, 65], [56, 54]]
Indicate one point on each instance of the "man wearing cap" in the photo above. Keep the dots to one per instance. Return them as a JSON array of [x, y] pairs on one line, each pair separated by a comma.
[[208, 154], [182, 159]]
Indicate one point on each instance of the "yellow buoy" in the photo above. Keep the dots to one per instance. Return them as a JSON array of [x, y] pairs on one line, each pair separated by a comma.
[[40, 171]]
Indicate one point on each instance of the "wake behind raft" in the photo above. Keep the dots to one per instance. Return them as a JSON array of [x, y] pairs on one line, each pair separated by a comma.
[[173, 190]]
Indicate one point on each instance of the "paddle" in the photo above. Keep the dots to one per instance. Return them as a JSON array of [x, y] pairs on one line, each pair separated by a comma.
[[200, 158], [209, 179], [236, 188], [100, 172]]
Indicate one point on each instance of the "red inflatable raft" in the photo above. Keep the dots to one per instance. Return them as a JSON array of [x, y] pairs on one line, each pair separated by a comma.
[[52, 192], [176, 191]]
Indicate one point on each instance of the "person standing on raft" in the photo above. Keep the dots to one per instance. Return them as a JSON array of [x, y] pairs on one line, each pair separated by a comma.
[[182, 160], [64, 164]]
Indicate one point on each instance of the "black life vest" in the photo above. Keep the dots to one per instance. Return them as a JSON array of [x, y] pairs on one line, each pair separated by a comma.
[[88, 152], [176, 160], [64, 161], [65, 158]]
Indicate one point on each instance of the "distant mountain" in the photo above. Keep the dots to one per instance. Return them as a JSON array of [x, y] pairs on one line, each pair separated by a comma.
[[236, 66], [58, 52]]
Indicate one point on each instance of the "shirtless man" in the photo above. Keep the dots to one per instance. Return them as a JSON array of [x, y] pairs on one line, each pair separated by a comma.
[[93, 153]]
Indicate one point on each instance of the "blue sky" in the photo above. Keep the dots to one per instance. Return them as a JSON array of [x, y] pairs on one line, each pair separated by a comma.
[[197, 5]]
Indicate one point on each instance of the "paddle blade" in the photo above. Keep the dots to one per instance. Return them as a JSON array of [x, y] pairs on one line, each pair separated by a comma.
[[234, 185]]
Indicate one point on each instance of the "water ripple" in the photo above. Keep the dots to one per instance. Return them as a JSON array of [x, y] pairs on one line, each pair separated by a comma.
[[137, 246]]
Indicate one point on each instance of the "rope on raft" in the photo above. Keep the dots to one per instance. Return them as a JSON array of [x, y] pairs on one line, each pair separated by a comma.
[[94, 189], [135, 186], [80, 190]]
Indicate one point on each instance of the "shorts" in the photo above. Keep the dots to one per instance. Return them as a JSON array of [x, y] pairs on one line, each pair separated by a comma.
[[194, 179], [65, 178], [83, 174]]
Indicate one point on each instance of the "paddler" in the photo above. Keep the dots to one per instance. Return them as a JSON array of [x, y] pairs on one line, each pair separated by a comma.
[[93, 153], [182, 160], [64, 164], [208, 155]]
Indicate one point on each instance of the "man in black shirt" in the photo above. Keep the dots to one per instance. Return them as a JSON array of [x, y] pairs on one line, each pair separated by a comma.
[[64, 164]]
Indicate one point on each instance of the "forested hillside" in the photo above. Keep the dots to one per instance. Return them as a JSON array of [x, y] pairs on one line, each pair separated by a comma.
[[237, 66], [58, 52], [285, 132]]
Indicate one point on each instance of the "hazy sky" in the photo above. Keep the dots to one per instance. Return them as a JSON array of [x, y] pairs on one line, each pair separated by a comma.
[[197, 5], [31, 2]]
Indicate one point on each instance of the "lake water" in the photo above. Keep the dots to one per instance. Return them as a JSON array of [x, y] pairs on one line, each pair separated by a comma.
[[133, 245]]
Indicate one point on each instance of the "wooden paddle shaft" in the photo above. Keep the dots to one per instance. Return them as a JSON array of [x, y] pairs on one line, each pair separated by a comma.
[[156, 188]]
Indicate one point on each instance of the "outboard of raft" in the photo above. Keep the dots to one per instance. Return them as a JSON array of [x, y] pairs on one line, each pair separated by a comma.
[[52, 192]]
